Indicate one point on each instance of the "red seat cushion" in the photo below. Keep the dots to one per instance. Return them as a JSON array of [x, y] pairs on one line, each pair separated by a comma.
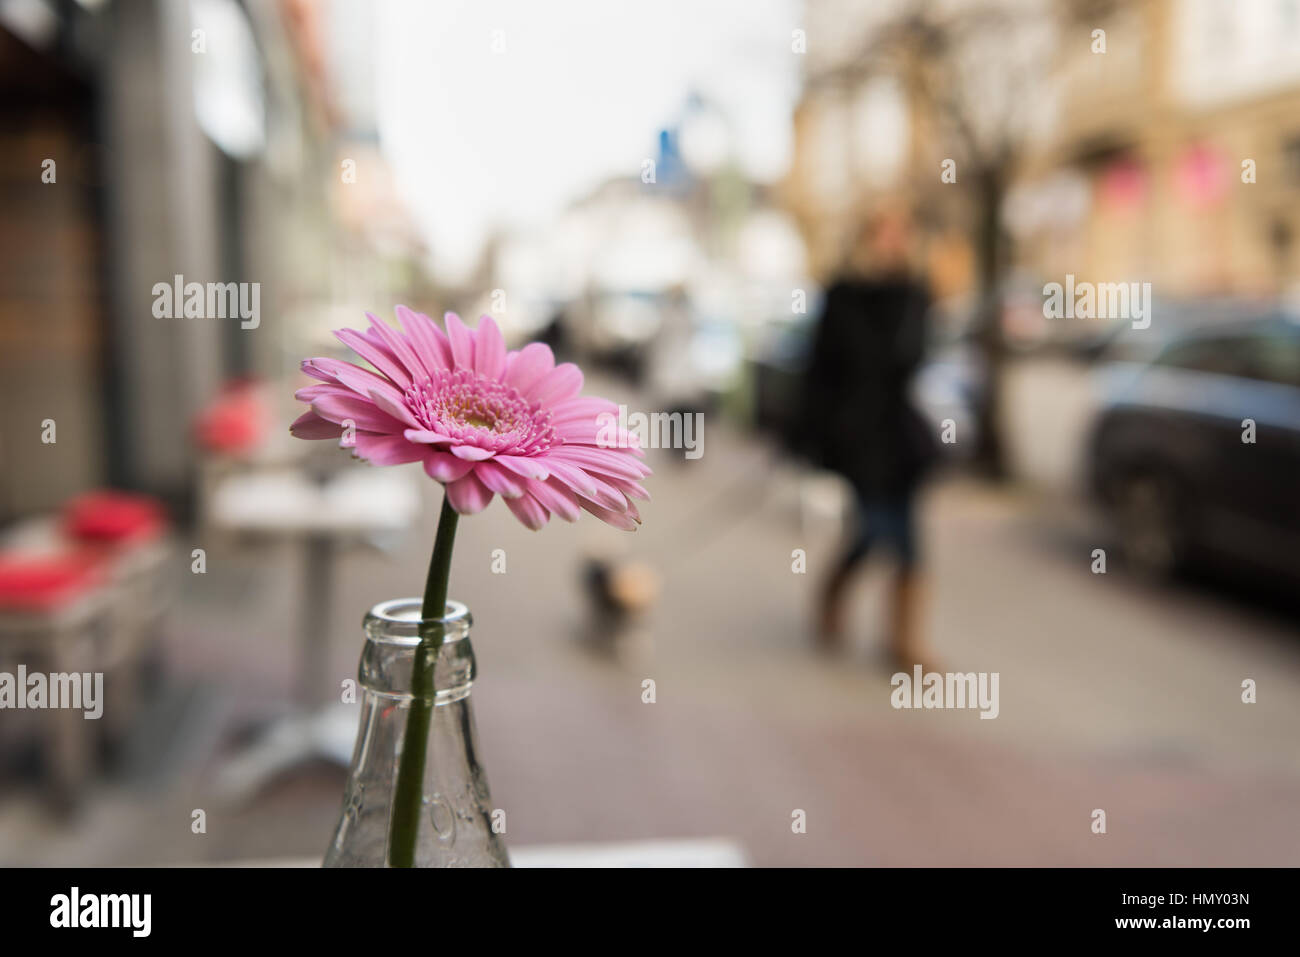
[[44, 583], [113, 517], [236, 422]]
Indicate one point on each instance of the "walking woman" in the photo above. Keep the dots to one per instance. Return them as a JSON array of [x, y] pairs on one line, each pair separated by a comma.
[[870, 340]]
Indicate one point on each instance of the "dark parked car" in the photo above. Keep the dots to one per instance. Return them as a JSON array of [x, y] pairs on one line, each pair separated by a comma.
[[1196, 454]]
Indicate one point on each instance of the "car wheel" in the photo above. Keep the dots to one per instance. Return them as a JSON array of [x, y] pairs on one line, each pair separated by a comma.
[[1146, 512]]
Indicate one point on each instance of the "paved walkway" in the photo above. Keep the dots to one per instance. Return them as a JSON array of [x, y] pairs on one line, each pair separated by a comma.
[[1113, 695]]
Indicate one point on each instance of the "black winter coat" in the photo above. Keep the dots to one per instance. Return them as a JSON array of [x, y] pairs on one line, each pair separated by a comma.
[[856, 417]]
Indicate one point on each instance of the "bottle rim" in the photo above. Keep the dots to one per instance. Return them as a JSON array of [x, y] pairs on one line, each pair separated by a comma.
[[398, 619]]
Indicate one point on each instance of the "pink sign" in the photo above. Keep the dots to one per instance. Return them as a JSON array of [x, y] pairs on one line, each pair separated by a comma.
[[1123, 185], [1201, 176]]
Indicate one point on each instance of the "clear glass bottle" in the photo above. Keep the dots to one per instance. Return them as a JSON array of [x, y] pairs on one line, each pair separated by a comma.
[[455, 827]]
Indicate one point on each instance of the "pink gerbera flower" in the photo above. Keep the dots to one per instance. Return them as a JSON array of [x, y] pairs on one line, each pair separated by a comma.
[[483, 421]]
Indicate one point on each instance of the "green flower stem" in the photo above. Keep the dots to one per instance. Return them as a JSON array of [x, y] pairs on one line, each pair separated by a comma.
[[408, 795]]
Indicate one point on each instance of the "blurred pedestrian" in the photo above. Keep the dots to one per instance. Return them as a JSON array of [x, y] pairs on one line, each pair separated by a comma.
[[861, 424]]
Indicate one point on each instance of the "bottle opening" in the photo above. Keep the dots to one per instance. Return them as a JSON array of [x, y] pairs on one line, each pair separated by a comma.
[[399, 619]]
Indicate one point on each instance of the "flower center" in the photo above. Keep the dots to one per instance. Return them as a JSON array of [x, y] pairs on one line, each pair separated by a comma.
[[475, 410]]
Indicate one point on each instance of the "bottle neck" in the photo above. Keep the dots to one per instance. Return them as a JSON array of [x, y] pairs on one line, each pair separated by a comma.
[[393, 630]]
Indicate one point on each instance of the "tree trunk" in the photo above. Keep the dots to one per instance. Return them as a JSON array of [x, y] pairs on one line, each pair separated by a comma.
[[989, 457]]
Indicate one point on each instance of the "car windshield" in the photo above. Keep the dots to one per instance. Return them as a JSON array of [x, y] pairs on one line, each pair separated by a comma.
[[1268, 353]]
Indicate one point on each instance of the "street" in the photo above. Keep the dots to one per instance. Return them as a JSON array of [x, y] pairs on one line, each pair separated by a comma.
[[1114, 694]]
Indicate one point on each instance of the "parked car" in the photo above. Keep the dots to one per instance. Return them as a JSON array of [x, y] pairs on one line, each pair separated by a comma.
[[1196, 453]]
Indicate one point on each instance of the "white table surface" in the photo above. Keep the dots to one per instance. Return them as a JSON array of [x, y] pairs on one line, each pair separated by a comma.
[[689, 852], [287, 501]]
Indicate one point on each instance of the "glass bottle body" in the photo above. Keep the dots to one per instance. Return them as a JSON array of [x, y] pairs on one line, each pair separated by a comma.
[[457, 826]]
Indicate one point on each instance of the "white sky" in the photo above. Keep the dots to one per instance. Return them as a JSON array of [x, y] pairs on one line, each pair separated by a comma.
[[579, 94]]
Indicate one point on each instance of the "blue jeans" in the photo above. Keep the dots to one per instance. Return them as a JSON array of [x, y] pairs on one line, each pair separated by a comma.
[[889, 520]]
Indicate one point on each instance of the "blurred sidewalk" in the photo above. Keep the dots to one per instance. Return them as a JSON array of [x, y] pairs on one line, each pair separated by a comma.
[[1114, 695]]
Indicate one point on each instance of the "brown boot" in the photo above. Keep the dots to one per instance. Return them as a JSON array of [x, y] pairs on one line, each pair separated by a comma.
[[906, 643], [831, 612]]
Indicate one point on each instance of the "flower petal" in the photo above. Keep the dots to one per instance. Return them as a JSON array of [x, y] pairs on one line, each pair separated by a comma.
[[630, 489], [562, 382], [619, 519], [606, 494], [445, 467], [524, 465], [362, 413], [315, 369], [398, 346], [582, 407], [554, 495], [603, 434], [489, 349], [429, 342], [527, 366], [471, 453], [425, 437], [468, 495], [386, 449], [572, 477], [504, 483], [310, 393], [359, 380], [462, 341], [613, 461], [309, 425], [376, 355], [397, 410], [587, 485], [529, 511]]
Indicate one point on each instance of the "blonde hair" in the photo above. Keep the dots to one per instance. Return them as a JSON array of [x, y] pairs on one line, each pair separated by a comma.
[[862, 252]]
